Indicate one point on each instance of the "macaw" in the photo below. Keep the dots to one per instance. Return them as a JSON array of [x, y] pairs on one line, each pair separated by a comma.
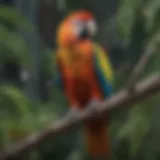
[[85, 74]]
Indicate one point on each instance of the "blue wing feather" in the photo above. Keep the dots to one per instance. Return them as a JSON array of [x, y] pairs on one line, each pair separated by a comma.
[[103, 71]]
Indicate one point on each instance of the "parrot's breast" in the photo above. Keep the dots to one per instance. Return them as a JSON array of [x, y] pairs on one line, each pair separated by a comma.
[[82, 90], [82, 76]]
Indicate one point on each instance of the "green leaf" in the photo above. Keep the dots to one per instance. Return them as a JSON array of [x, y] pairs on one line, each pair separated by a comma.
[[126, 16], [11, 16], [13, 102]]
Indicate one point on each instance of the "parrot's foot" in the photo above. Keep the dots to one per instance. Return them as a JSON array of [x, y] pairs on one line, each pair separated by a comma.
[[94, 106]]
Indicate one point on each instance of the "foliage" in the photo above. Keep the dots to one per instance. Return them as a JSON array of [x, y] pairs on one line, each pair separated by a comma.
[[138, 120], [11, 25], [19, 115]]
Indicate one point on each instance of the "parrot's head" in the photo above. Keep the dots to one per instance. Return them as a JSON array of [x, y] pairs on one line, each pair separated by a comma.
[[76, 27]]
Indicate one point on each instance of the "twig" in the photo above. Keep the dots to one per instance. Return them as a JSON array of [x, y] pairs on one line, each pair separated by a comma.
[[139, 68], [142, 90]]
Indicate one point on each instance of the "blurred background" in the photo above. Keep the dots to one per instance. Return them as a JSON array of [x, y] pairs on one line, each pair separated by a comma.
[[29, 104]]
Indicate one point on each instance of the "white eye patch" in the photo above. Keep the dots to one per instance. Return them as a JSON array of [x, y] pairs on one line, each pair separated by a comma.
[[92, 28]]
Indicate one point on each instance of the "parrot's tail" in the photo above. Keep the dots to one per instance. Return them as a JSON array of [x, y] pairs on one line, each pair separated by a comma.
[[97, 138]]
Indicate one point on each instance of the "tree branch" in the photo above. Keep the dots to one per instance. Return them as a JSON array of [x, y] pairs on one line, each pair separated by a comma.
[[139, 68], [142, 90]]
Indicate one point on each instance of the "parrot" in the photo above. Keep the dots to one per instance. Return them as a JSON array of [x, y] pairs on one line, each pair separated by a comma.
[[85, 74]]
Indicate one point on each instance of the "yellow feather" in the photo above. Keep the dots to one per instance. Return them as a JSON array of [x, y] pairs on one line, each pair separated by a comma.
[[105, 63]]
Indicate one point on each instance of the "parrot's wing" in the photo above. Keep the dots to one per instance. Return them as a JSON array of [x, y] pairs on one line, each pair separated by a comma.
[[103, 70]]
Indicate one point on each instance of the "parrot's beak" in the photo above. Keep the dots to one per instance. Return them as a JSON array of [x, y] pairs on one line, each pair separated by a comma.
[[85, 30], [84, 34]]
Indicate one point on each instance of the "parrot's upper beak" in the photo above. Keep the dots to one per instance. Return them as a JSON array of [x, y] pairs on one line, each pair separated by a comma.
[[84, 34]]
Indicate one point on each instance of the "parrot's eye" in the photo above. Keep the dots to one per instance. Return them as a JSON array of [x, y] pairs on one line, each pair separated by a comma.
[[92, 28]]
